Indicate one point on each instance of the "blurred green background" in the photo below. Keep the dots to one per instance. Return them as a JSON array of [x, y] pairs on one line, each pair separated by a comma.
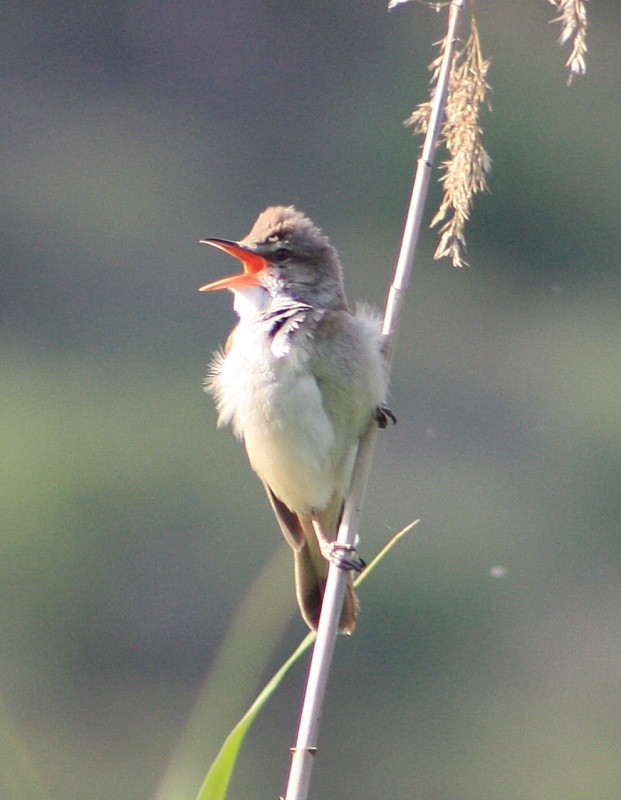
[[131, 528]]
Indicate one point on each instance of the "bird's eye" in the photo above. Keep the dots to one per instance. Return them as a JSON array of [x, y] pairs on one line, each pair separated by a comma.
[[282, 254]]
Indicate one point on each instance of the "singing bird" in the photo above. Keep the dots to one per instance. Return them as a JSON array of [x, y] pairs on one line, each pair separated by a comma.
[[300, 379]]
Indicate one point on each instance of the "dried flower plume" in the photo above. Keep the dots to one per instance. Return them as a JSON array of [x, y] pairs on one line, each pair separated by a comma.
[[573, 19], [468, 163]]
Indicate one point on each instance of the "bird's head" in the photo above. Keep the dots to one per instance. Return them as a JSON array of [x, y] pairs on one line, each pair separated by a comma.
[[284, 255]]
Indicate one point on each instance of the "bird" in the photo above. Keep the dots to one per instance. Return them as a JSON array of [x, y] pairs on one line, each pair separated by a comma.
[[300, 380]]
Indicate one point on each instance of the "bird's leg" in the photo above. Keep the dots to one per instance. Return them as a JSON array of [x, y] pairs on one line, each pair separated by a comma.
[[341, 555]]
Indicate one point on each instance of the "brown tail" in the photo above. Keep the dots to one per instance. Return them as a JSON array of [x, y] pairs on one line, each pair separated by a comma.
[[310, 580], [310, 566]]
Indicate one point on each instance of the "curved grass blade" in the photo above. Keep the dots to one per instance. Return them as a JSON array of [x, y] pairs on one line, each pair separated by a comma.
[[219, 776]]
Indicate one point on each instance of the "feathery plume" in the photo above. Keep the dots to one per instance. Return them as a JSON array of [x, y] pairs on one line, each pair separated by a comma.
[[573, 19], [468, 163]]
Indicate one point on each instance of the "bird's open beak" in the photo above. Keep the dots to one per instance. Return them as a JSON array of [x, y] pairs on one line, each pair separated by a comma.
[[253, 264]]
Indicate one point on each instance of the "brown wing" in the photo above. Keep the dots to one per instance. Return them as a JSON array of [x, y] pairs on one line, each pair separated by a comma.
[[288, 521]]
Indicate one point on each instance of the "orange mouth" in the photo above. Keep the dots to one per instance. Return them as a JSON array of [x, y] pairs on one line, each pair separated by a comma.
[[253, 265]]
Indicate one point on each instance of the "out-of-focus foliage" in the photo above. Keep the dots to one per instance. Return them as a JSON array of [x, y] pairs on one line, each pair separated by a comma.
[[130, 527]]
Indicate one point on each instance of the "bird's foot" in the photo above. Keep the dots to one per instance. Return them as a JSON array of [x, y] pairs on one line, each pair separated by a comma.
[[382, 415], [343, 556], [346, 557]]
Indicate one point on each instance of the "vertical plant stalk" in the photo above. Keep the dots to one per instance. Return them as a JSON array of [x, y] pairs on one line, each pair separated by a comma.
[[305, 747]]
